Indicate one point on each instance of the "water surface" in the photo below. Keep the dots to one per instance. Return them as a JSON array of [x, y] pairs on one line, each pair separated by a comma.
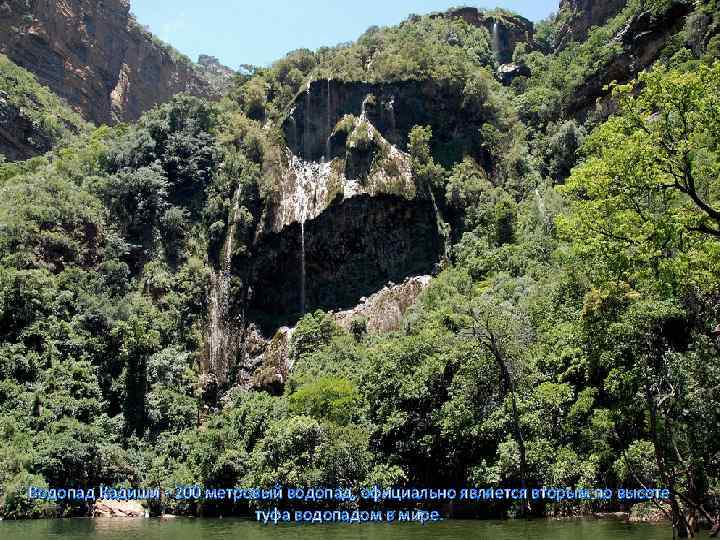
[[222, 529]]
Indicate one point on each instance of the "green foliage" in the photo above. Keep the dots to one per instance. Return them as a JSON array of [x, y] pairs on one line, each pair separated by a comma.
[[595, 345], [177, 139], [646, 197], [427, 174], [420, 48], [50, 117], [267, 92], [336, 400], [314, 331], [15, 502]]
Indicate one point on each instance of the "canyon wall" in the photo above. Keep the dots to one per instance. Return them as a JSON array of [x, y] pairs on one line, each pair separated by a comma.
[[506, 30], [97, 57], [579, 16], [392, 108]]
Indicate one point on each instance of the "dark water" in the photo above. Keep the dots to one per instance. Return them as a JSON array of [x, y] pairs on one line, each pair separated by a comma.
[[220, 529]]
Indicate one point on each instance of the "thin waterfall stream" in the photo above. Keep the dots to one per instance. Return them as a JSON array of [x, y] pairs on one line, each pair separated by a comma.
[[219, 339], [329, 126], [301, 208], [496, 40]]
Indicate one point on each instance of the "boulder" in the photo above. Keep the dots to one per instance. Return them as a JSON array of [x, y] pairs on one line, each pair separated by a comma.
[[507, 73], [123, 509]]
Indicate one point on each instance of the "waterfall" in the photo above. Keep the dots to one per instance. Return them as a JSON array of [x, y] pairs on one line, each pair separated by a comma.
[[328, 149], [219, 340], [390, 108], [232, 227], [306, 124], [312, 180], [303, 180], [302, 267], [496, 41], [301, 208], [363, 107]]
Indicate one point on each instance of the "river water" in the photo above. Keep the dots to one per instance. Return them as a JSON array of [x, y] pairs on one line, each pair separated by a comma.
[[222, 529]]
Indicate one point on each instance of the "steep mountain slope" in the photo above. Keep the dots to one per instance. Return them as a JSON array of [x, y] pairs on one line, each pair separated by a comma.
[[32, 119], [210, 295], [97, 57], [579, 16]]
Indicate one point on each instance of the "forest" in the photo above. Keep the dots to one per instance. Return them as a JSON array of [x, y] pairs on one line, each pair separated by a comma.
[[570, 335]]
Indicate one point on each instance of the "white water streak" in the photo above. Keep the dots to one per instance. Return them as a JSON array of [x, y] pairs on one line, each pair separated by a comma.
[[219, 340]]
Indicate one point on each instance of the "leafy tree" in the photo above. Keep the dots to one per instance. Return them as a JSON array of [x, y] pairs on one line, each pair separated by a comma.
[[334, 399], [646, 196]]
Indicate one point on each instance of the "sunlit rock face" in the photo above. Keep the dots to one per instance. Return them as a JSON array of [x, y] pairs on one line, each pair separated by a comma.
[[269, 361], [97, 57], [384, 310], [345, 216], [392, 108], [336, 230], [581, 15]]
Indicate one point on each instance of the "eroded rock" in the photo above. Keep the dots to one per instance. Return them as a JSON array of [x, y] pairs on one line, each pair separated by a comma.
[[581, 15], [384, 311], [119, 509], [392, 108], [96, 56]]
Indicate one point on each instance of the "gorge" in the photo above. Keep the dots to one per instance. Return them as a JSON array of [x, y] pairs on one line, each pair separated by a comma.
[[464, 253]]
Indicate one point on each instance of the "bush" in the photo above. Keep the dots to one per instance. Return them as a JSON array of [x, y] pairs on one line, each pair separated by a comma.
[[314, 331], [15, 501], [328, 398]]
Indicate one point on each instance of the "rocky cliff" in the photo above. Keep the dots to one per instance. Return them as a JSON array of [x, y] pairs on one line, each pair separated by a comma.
[[393, 108], [579, 16], [506, 30], [269, 362], [96, 56], [330, 234], [32, 119], [641, 39]]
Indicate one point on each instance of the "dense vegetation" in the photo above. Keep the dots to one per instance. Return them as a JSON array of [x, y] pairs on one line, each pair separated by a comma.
[[569, 341], [48, 117]]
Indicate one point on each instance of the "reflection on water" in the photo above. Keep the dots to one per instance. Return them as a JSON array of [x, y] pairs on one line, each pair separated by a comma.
[[215, 529]]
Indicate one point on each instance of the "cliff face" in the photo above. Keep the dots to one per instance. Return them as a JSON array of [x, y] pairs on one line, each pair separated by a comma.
[[582, 15], [339, 229], [641, 39], [505, 30], [19, 137], [351, 250], [93, 54], [393, 108], [32, 119]]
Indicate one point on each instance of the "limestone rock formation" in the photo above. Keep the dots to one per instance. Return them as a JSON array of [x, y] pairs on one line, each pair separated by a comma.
[[506, 30], [384, 311], [392, 108], [641, 39], [118, 509], [347, 216], [273, 365], [96, 56], [580, 16]]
